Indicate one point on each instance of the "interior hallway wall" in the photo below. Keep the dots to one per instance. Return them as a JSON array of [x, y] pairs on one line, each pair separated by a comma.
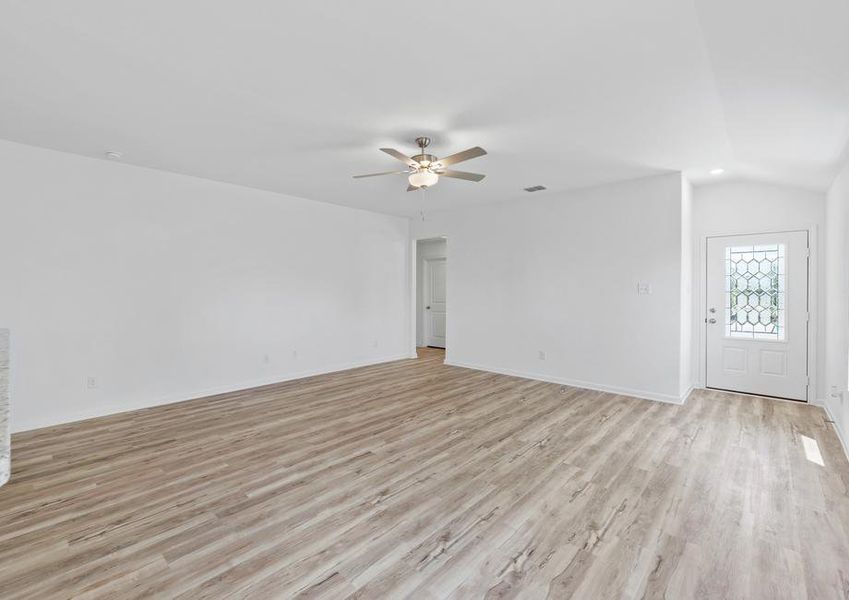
[[687, 360]]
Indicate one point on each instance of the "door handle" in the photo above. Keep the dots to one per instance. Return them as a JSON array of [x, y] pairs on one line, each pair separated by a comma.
[[711, 321], [427, 307]]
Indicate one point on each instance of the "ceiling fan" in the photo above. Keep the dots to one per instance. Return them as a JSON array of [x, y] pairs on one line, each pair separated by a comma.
[[424, 170]]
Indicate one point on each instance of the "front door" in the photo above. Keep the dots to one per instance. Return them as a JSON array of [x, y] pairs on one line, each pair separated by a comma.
[[435, 302], [757, 314]]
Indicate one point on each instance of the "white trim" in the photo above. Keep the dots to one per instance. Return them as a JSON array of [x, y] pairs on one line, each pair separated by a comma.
[[414, 259], [813, 312], [104, 410], [830, 415], [414, 313], [644, 395]]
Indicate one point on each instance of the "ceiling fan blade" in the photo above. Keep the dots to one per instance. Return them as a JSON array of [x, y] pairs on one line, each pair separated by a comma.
[[403, 158], [460, 157], [412, 188], [461, 175], [379, 174]]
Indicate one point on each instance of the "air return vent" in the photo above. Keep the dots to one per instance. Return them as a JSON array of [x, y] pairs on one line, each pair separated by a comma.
[[535, 188]]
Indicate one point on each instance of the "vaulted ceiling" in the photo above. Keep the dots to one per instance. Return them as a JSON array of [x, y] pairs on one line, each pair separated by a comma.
[[296, 97]]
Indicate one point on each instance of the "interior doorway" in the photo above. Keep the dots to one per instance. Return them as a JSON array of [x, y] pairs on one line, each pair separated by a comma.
[[431, 292], [756, 325]]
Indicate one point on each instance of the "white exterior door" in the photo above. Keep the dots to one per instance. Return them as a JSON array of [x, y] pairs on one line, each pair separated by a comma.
[[757, 314], [435, 302]]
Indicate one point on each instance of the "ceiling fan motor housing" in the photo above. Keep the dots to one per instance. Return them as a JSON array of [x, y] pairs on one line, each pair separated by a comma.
[[424, 159]]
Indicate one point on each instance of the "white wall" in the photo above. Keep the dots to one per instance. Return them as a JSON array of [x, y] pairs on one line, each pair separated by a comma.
[[5, 423], [687, 247], [837, 303], [559, 274], [437, 248], [165, 287], [753, 207]]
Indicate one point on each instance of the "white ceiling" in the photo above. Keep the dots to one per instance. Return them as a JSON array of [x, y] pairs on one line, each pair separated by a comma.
[[297, 97]]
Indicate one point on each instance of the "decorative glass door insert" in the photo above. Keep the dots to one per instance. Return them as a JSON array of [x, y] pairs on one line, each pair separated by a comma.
[[755, 292]]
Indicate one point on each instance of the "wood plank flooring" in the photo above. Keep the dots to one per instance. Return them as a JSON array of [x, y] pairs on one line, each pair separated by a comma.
[[418, 480]]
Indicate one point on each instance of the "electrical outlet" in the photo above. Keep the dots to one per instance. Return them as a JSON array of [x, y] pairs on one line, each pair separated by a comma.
[[643, 288], [91, 382], [374, 344], [266, 359], [294, 354], [541, 354]]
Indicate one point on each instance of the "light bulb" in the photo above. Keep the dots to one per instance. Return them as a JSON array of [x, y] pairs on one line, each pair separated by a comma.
[[423, 179]]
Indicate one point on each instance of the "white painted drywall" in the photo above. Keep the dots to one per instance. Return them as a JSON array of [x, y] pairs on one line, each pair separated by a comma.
[[425, 249], [165, 287], [754, 207], [686, 346], [5, 423], [559, 274], [837, 303]]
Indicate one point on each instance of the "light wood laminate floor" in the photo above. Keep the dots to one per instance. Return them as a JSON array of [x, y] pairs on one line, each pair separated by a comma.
[[415, 479]]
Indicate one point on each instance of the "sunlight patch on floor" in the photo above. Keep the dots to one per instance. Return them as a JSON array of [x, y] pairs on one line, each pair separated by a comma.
[[812, 450]]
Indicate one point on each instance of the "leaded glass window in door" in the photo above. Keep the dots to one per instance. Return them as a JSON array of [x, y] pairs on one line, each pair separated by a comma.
[[754, 292]]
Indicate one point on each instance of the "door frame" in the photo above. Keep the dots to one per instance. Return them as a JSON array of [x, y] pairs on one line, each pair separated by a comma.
[[413, 312], [700, 308], [426, 288]]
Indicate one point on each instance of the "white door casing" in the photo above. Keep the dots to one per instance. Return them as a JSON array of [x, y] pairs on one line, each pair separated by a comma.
[[756, 325], [435, 302]]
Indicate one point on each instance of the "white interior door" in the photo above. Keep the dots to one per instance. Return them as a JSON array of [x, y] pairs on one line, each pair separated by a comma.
[[757, 319], [435, 302]]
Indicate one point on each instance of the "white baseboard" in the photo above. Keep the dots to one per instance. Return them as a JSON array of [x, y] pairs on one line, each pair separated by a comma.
[[642, 394], [843, 441], [106, 410]]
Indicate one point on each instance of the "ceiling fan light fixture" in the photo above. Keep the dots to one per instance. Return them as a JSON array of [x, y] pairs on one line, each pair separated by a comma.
[[423, 179]]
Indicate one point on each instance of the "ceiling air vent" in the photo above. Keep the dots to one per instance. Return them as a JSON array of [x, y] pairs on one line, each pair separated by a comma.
[[535, 188]]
